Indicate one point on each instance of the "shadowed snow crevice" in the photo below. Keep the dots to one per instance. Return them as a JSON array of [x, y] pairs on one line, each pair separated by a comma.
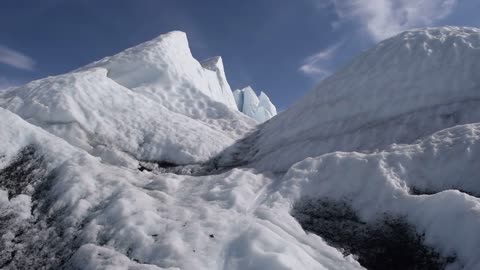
[[418, 191], [32, 238], [24, 172], [189, 169], [388, 243]]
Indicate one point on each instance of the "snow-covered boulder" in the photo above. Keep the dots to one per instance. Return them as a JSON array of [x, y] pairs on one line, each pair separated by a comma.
[[259, 108], [406, 87]]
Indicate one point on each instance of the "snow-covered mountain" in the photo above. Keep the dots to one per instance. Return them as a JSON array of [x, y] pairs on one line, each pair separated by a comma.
[[142, 161], [259, 108]]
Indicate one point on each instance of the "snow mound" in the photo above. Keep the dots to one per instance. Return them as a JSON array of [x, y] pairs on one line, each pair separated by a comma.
[[151, 102], [406, 87], [259, 108], [418, 182], [164, 70], [111, 121]]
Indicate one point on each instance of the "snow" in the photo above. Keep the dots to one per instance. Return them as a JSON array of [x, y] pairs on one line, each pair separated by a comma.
[[165, 71], [406, 87], [111, 217], [90, 256], [110, 120], [259, 108], [216, 64], [382, 182], [167, 62], [76, 141], [151, 102]]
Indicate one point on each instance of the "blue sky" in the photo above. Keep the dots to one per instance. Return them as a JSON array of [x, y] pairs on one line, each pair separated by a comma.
[[281, 47]]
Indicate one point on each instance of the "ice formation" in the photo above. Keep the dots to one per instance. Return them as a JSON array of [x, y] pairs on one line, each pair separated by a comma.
[[259, 108], [96, 165]]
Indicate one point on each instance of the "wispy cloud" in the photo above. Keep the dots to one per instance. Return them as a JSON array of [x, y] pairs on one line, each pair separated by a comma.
[[15, 59], [384, 18], [317, 65]]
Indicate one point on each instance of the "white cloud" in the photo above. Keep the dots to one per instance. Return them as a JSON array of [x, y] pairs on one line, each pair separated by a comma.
[[385, 18], [15, 59], [316, 65]]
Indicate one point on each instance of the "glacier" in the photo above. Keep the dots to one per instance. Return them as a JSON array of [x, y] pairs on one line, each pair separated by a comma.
[[148, 160], [258, 107]]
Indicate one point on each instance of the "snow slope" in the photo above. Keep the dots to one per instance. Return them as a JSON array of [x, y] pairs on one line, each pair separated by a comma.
[[406, 87], [151, 102], [259, 108], [392, 181], [166, 62], [69, 210], [215, 64], [164, 70], [71, 195]]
